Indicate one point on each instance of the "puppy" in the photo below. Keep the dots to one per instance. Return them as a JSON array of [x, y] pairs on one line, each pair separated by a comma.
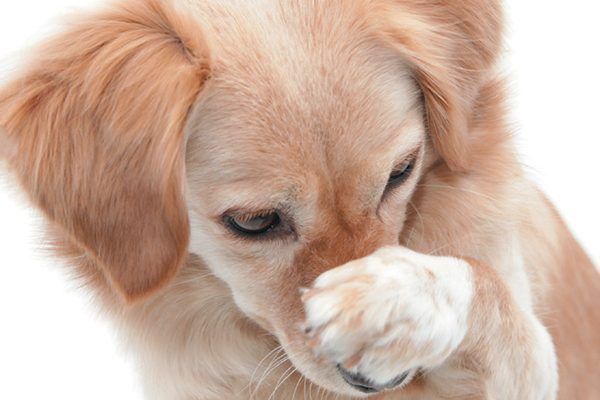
[[280, 199]]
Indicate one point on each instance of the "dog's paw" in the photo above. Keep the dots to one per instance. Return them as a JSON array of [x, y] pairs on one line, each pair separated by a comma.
[[384, 316]]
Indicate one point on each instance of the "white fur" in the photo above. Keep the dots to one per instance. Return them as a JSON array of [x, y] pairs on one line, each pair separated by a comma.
[[421, 302]]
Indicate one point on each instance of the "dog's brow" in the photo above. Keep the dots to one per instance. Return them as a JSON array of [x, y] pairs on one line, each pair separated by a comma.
[[253, 203], [408, 154], [412, 153]]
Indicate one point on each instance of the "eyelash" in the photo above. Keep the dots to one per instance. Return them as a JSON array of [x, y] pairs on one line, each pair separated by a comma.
[[400, 176], [236, 225], [280, 229]]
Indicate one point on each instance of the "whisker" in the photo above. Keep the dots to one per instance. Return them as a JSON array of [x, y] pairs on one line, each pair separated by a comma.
[[288, 372], [297, 385], [310, 390], [273, 365], [458, 189], [271, 353], [304, 397], [421, 220]]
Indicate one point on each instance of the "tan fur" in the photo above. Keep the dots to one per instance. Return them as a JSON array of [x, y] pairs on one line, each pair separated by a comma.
[[86, 157], [452, 47], [153, 118]]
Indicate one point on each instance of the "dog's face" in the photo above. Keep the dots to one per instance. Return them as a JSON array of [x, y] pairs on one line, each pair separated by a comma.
[[294, 175], [288, 141]]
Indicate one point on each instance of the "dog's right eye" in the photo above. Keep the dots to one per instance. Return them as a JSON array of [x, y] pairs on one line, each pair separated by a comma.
[[254, 224]]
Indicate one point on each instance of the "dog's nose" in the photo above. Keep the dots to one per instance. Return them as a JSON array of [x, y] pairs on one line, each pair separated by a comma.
[[363, 384], [358, 382]]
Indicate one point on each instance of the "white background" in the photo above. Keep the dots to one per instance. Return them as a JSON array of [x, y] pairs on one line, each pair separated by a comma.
[[53, 345]]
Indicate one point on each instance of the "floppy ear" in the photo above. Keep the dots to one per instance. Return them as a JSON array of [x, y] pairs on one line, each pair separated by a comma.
[[97, 121], [452, 45]]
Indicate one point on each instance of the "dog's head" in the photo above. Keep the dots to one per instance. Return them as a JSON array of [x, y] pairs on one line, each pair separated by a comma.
[[285, 142]]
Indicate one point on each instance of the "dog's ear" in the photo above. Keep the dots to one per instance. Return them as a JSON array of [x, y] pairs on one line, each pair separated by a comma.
[[451, 45], [97, 123], [7, 145]]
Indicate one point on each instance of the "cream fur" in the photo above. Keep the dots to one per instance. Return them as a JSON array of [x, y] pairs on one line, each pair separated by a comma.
[[140, 129]]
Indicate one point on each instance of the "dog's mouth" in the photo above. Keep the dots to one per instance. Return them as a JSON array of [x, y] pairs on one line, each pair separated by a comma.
[[337, 380], [304, 363]]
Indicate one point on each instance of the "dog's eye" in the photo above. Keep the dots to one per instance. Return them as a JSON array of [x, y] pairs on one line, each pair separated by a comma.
[[254, 224], [401, 174]]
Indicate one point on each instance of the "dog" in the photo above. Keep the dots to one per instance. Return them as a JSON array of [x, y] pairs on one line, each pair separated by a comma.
[[278, 199]]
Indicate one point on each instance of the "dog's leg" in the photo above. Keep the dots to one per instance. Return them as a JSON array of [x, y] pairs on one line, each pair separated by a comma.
[[450, 323]]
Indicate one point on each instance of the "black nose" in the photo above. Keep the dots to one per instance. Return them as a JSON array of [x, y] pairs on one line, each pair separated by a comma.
[[363, 384], [359, 382]]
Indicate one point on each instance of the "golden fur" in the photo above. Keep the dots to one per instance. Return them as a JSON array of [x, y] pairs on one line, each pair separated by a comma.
[[137, 128]]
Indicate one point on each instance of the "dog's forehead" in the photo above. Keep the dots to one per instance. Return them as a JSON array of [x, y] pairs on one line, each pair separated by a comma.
[[292, 93]]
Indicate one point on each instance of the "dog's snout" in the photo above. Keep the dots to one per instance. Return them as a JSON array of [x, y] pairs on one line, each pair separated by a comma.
[[365, 385]]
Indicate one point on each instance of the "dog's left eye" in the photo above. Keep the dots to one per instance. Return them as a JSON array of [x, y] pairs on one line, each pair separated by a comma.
[[401, 173], [254, 224]]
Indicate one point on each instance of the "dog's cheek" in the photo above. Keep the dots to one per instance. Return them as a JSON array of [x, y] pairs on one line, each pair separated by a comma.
[[254, 286]]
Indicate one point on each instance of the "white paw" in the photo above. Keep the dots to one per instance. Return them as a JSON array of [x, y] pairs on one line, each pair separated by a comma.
[[389, 313]]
